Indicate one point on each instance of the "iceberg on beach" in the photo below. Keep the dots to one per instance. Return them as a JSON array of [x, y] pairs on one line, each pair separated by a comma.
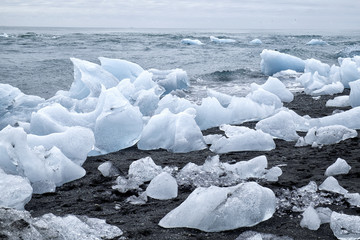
[[121, 69], [332, 185], [280, 125], [173, 132], [276, 87], [345, 118], [327, 135], [273, 62], [162, 187], [216, 173], [338, 167], [15, 106], [318, 42], [345, 226], [88, 80], [349, 70], [82, 142], [44, 169], [15, 191], [221, 40], [340, 101], [189, 41], [311, 219], [354, 97], [221, 209], [242, 139], [17, 224], [170, 80]]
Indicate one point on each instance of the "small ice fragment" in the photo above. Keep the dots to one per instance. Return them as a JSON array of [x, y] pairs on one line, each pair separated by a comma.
[[332, 185], [339, 167], [108, 169], [162, 187], [311, 219], [273, 174]]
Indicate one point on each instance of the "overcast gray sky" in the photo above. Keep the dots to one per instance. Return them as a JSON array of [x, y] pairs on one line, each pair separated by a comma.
[[238, 14]]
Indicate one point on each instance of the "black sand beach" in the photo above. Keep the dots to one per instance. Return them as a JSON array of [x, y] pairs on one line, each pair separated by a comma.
[[93, 196]]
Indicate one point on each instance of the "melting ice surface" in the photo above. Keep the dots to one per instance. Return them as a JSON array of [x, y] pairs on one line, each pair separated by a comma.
[[50, 226], [220, 209]]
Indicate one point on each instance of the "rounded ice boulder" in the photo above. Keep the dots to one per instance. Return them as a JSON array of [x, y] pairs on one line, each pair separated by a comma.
[[216, 209], [162, 187]]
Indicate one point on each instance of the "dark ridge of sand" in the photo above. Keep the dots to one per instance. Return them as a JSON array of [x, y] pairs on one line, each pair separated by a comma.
[[93, 196]]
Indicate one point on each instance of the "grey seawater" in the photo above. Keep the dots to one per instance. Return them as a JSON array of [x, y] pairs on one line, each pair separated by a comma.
[[37, 60]]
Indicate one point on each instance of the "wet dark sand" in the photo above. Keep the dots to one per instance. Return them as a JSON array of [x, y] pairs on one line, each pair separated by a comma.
[[94, 197]]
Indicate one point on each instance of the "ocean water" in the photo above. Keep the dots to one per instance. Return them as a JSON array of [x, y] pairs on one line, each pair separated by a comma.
[[37, 60]]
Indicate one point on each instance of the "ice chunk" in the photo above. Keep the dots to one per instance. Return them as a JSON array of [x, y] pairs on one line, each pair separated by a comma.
[[273, 62], [189, 41], [318, 42], [174, 132], [245, 109], [328, 135], [74, 227], [340, 101], [15, 191], [138, 200], [311, 219], [273, 174], [211, 113], [353, 199], [276, 87], [171, 80], [261, 96], [20, 225], [332, 185], [354, 97], [214, 172], [124, 185], [339, 167], [82, 141], [324, 214], [252, 235], [44, 169], [174, 103], [317, 85], [121, 69], [147, 101], [88, 80], [313, 65], [162, 187], [212, 138], [281, 125], [345, 118], [221, 209], [345, 226], [221, 40], [245, 139], [349, 71], [118, 127], [256, 41], [144, 169], [108, 169], [15, 106]]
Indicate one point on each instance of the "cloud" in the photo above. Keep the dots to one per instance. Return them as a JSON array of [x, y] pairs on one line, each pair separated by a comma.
[[259, 14]]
